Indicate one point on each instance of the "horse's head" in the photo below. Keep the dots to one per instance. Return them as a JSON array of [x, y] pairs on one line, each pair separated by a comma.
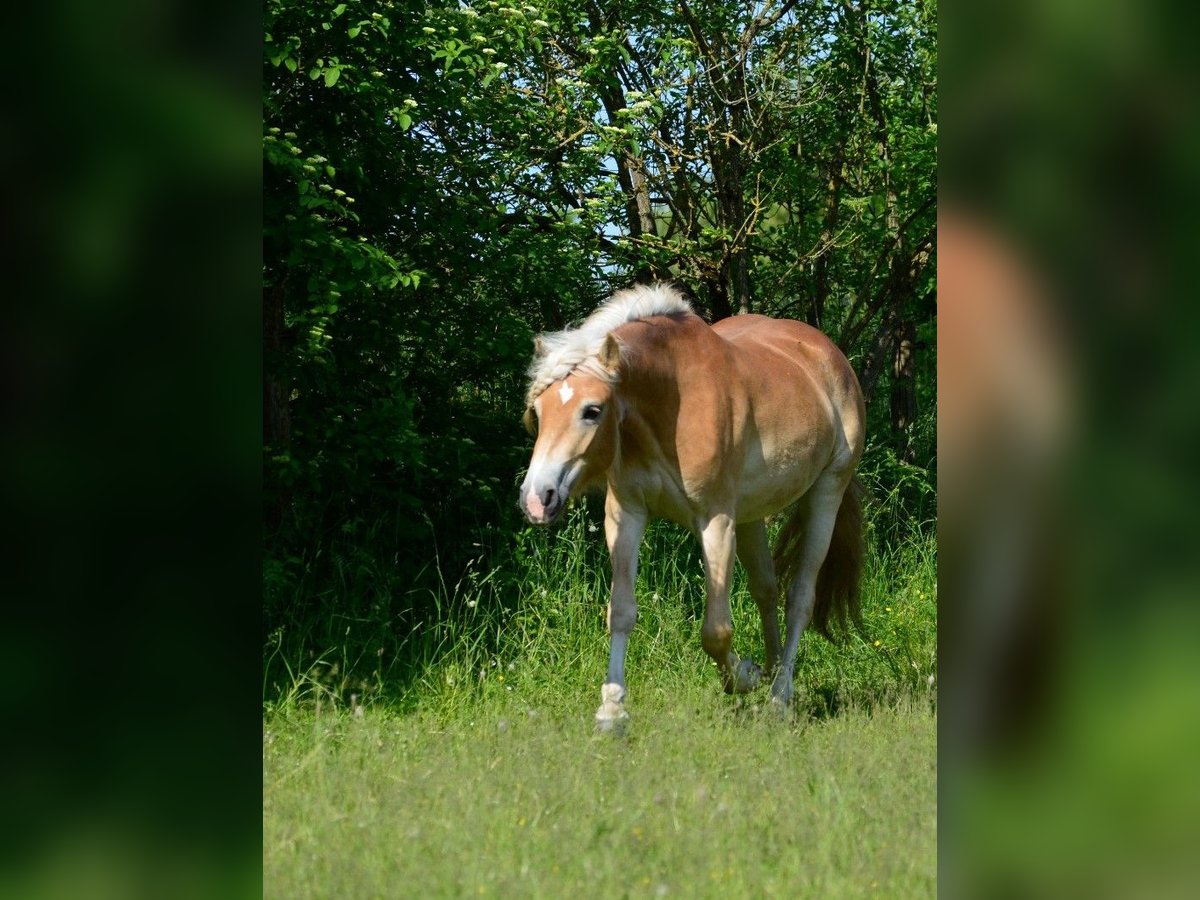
[[576, 420]]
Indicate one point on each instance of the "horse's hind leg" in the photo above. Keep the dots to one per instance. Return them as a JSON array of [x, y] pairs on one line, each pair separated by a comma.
[[821, 504], [718, 542], [754, 550]]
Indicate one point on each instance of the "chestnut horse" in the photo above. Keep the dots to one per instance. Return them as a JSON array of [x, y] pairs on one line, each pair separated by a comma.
[[715, 428]]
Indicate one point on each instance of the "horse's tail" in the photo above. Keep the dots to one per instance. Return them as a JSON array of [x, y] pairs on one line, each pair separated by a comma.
[[836, 606]]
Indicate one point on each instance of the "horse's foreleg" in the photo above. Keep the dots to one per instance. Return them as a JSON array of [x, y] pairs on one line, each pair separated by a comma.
[[623, 529], [822, 501], [754, 550], [718, 540]]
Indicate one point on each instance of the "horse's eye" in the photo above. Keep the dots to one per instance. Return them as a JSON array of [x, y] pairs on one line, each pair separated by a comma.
[[591, 413]]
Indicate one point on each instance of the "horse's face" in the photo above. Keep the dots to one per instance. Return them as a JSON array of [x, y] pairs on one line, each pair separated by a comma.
[[577, 424]]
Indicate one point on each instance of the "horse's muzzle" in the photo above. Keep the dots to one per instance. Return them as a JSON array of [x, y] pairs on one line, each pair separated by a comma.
[[542, 506]]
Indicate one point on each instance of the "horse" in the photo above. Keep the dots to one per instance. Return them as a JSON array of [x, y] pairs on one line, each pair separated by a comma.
[[716, 428]]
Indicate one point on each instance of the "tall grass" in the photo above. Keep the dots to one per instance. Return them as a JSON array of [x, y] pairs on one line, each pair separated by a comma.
[[459, 758], [524, 623]]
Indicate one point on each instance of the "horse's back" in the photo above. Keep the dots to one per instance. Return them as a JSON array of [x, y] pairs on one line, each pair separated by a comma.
[[792, 352], [805, 407], [755, 336]]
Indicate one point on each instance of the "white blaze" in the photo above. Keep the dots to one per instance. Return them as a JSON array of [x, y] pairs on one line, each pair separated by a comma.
[[565, 392]]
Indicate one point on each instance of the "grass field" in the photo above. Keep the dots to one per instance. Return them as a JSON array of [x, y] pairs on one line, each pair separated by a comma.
[[696, 801], [481, 775]]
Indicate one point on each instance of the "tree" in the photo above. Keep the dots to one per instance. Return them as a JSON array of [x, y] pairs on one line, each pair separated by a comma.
[[443, 180]]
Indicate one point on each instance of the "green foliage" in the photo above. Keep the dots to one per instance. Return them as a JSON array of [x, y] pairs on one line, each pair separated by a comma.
[[443, 180]]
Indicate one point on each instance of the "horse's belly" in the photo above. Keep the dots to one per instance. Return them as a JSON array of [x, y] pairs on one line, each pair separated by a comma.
[[768, 485]]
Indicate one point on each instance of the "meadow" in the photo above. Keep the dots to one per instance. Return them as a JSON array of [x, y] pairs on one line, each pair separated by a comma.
[[480, 773]]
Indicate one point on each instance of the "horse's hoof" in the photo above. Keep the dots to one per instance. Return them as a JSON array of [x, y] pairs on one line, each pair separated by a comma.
[[611, 717], [781, 696], [608, 722], [747, 676]]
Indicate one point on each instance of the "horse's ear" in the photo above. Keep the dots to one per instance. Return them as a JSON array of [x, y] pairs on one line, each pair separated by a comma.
[[539, 346], [610, 353]]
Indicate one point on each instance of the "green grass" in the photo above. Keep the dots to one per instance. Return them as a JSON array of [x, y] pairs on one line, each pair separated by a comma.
[[479, 773], [510, 801]]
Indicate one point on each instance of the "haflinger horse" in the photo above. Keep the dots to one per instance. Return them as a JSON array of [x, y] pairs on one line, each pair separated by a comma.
[[716, 428]]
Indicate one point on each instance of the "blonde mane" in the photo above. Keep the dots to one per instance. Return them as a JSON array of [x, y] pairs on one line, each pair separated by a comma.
[[560, 352]]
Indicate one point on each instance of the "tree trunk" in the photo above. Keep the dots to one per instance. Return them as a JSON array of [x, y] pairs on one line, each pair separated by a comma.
[[631, 169], [904, 391], [733, 191], [828, 230], [733, 221], [874, 360], [632, 178], [718, 296]]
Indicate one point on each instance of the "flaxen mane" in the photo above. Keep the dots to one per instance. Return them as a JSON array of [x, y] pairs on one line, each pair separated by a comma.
[[559, 352]]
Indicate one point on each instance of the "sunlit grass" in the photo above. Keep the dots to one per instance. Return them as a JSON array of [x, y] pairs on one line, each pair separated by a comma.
[[538, 629], [510, 799], [548, 637], [479, 771]]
